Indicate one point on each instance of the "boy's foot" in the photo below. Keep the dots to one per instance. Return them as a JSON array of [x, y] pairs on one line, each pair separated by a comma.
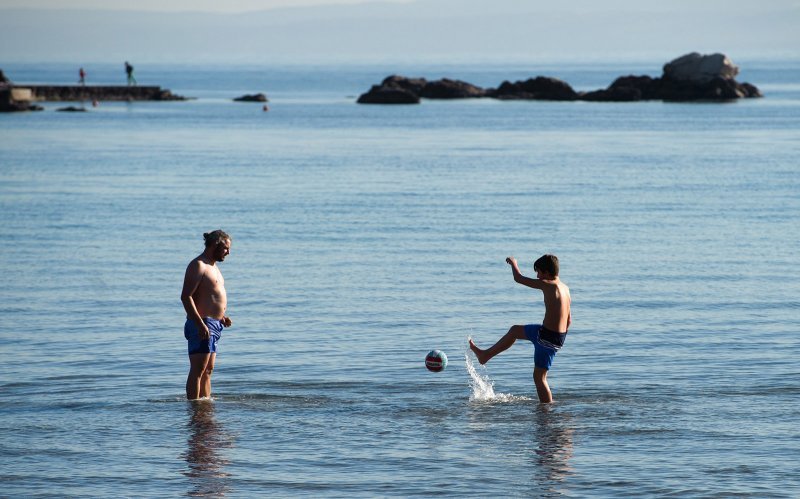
[[480, 354]]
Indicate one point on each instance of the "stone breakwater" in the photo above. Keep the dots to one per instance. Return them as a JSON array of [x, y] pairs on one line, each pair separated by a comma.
[[18, 97], [692, 77], [75, 93]]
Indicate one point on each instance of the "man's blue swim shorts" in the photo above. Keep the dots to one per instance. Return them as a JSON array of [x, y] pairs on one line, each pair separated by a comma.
[[545, 343], [197, 345]]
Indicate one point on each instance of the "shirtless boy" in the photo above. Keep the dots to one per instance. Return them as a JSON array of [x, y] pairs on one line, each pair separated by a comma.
[[205, 301], [548, 337]]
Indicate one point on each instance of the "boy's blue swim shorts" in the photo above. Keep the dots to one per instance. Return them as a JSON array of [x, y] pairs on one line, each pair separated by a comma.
[[545, 343]]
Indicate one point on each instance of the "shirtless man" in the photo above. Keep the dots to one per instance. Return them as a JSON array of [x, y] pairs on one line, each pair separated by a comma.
[[205, 301], [548, 337]]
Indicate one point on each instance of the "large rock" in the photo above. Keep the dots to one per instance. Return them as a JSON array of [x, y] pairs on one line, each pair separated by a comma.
[[716, 89], [379, 94], [539, 88], [413, 85], [626, 89], [701, 69], [451, 89], [394, 90], [703, 77], [619, 94], [689, 78]]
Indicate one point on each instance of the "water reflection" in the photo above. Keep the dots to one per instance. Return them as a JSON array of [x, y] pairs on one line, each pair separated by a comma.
[[206, 464], [552, 448]]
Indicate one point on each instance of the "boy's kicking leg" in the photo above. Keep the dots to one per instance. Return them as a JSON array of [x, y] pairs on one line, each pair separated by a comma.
[[514, 333], [542, 388]]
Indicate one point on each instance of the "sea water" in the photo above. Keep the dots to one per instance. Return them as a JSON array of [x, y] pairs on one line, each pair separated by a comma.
[[364, 237]]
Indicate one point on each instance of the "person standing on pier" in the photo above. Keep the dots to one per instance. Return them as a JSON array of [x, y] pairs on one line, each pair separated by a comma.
[[129, 72], [82, 74]]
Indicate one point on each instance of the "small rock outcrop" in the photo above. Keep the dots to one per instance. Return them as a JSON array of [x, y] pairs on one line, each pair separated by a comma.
[[252, 98], [451, 89], [380, 94], [413, 85], [401, 90], [626, 89], [539, 88]]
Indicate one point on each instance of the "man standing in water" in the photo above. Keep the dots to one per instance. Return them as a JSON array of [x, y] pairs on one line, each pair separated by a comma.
[[548, 337], [205, 301]]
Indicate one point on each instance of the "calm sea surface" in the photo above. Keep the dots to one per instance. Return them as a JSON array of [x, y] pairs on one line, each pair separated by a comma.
[[365, 236]]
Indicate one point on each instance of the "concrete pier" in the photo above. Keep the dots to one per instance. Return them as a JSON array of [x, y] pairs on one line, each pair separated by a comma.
[[76, 93]]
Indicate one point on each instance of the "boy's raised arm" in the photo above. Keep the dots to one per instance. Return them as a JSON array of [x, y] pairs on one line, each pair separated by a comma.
[[518, 277]]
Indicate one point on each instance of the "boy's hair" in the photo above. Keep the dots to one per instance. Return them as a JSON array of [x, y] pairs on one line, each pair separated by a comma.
[[215, 237], [547, 263]]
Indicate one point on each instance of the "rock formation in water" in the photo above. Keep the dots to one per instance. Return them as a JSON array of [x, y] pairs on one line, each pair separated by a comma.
[[390, 93], [692, 77], [539, 88], [451, 89], [700, 68], [401, 90], [252, 98]]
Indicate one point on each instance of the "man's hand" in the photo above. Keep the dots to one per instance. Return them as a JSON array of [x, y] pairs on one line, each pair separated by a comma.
[[511, 261], [226, 321], [202, 331]]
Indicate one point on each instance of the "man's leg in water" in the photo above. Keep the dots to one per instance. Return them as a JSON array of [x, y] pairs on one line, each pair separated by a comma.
[[515, 333], [205, 380], [198, 362], [542, 388]]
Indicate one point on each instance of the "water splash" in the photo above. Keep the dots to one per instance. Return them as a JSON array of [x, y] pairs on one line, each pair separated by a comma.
[[483, 387]]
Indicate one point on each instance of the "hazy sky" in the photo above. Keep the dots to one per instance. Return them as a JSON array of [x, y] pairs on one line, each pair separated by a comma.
[[259, 31], [178, 5]]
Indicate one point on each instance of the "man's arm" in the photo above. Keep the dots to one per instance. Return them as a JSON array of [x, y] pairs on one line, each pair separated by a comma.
[[191, 281], [518, 277]]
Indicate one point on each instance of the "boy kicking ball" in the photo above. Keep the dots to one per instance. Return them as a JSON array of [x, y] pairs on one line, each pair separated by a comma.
[[547, 337]]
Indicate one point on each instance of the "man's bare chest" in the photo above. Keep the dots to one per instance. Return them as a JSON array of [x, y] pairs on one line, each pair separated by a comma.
[[213, 280]]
